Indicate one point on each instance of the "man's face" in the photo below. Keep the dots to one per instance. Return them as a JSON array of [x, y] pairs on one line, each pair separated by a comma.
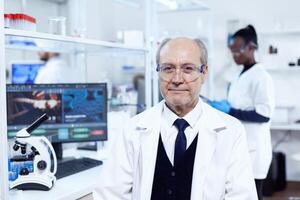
[[240, 51], [178, 92]]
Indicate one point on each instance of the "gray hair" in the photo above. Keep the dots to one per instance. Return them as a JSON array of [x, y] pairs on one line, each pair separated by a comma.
[[203, 56]]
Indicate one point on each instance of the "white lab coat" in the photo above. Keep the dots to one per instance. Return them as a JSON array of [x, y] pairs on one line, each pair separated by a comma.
[[222, 167], [55, 70], [253, 90]]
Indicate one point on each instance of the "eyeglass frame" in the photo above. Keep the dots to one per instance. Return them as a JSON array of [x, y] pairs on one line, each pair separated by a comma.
[[239, 50], [200, 68], [242, 49]]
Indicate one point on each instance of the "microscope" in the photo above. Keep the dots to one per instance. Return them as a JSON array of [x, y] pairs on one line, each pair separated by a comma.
[[32, 168]]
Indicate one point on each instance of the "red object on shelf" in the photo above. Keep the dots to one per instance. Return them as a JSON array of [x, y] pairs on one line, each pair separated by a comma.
[[20, 21]]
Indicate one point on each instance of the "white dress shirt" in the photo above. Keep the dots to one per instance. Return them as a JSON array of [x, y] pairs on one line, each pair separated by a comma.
[[169, 132]]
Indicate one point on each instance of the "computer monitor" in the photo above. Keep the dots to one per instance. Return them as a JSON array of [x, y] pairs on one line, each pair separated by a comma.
[[25, 72], [77, 112]]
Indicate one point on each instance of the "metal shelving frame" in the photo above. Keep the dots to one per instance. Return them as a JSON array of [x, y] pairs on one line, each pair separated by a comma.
[[3, 136]]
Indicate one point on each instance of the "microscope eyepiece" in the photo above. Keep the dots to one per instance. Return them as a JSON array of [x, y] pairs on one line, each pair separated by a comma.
[[37, 123]]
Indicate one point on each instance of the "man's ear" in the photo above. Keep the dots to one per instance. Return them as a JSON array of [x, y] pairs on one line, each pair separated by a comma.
[[204, 73], [204, 69]]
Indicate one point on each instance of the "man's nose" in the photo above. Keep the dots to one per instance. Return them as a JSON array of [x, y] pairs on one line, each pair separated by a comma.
[[178, 76]]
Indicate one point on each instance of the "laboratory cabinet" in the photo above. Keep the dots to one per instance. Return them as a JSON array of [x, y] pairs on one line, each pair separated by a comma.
[[279, 52]]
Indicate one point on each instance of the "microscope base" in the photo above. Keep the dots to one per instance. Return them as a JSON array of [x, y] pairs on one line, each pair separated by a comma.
[[33, 182]]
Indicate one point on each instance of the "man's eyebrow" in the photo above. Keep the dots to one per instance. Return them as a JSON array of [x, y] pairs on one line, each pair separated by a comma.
[[169, 63], [186, 63], [183, 63]]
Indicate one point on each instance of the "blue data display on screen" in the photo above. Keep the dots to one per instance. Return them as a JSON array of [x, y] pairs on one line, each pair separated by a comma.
[[25, 73], [79, 105]]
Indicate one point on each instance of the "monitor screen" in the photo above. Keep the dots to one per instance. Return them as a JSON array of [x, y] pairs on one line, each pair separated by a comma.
[[25, 72], [77, 112]]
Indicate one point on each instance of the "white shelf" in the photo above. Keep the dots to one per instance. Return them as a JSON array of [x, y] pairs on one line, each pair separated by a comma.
[[131, 3], [281, 33], [60, 43], [286, 69], [167, 6], [57, 1]]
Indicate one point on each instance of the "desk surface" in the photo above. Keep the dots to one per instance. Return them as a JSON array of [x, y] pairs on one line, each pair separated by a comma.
[[70, 187]]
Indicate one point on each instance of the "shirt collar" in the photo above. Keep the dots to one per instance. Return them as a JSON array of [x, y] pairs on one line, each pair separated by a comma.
[[191, 117]]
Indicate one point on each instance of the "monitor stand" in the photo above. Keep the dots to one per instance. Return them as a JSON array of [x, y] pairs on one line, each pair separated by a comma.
[[91, 146], [59, 153], [58, 150]]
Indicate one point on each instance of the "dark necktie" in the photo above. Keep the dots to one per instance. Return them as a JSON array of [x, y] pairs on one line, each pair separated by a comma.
[[180, 143]]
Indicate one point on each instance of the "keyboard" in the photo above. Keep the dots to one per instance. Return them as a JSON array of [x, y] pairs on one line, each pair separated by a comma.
[[67, 168]]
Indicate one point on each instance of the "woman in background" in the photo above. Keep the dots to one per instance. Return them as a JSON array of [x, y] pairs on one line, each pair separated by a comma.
[[251, 100]]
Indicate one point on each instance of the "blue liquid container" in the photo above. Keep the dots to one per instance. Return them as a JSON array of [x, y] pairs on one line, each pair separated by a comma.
[[14, 168]]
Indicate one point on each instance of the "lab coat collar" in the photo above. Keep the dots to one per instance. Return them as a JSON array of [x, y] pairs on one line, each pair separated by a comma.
[[252, 69], [150, 118], [153, 116], [191, 117], [148, 126]]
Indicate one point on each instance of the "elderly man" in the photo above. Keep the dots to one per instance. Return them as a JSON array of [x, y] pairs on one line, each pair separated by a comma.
[[181, 148]]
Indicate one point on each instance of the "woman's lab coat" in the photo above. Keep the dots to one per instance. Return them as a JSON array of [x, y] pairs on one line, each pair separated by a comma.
[[222, 167], [253, 90]]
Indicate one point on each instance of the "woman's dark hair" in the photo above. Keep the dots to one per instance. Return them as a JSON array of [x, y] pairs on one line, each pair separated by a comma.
[[248, 34]]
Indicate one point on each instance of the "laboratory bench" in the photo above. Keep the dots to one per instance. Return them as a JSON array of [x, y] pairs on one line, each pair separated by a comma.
[[71, 187], [80, 184]]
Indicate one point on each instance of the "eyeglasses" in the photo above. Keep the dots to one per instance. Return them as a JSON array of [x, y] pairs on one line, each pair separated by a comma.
[[239, 50], [242, 49], [189, 72]]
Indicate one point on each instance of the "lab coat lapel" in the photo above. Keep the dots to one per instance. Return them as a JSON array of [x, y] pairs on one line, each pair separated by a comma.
[[206, 146], [148, 149]]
